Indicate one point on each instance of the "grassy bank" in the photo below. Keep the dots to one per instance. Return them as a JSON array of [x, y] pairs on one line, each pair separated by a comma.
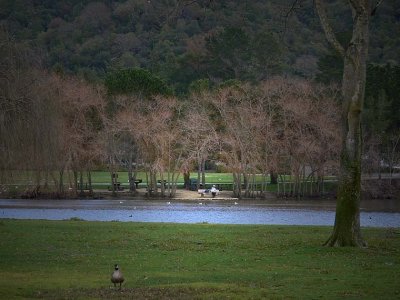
[[73, 259]]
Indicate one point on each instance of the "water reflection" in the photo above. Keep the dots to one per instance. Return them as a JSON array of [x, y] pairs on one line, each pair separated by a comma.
[[198, 212]]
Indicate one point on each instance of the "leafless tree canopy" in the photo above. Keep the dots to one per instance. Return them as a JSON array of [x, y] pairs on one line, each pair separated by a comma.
[[56, 129]]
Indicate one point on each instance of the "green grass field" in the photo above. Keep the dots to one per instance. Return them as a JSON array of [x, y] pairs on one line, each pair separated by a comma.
[[101, 180], [104, 177], [74, 260]]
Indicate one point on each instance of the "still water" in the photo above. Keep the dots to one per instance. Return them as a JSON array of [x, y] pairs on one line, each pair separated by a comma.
[[215, 212]]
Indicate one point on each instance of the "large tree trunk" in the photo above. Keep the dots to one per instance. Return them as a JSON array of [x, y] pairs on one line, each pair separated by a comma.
[[346, 230]]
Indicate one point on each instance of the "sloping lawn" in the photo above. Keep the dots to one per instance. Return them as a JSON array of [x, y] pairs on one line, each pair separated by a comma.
[[74, 260]]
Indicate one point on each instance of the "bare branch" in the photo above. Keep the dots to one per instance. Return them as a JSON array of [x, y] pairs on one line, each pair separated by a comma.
[[376, 7], [330, 35], [356, 4], [296, 4]]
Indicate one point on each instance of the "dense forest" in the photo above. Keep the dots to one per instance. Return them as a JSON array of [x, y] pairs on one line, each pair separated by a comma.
[[183, 41], [117, 84]]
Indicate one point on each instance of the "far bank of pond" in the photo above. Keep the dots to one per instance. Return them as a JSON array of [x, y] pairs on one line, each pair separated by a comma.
[[374, 213]]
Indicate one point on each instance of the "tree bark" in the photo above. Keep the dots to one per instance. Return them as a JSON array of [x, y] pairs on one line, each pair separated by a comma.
[[61, 182], [198, 173], [81, 183], [203, 172], [76, 182], [186, 179], [274, 177], [132, 163], [346, 231], [131, 178], [90, 186]]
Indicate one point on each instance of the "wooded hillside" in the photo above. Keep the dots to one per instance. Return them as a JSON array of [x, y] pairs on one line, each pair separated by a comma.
[[183, 41]]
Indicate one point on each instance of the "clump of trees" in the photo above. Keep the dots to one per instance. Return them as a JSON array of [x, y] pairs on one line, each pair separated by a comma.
[[381, 123], [67, 127], [49, 124], [55, 129], [282, 125]]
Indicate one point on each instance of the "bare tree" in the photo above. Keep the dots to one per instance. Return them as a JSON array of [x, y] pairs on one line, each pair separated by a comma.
[[120, 140], [199, 132], [78, 120], [17, 77], [241, 118], [302, 139], [46, 118], [85, 119], [154, 127], [167, 141]]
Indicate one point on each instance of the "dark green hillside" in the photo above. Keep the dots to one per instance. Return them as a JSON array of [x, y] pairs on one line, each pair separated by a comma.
[[183, 41]]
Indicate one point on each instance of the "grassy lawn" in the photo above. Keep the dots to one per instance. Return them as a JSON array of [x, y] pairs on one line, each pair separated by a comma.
[[74, 260], [104, 177], [101, 180]]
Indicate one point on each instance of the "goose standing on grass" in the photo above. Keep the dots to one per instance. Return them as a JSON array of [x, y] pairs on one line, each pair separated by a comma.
[[117, 277]]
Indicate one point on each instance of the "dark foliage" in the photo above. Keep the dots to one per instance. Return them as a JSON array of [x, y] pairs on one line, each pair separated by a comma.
[[183, 41]]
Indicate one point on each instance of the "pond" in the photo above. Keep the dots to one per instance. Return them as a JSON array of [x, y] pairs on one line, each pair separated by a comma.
[[195, 211]]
